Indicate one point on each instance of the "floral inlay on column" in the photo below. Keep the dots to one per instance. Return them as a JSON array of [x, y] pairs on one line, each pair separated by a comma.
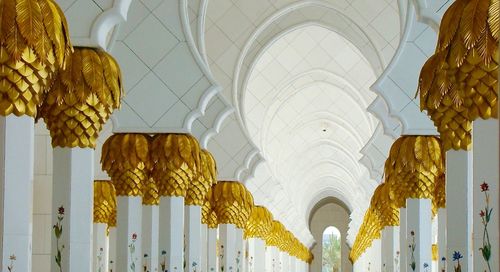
[[443, 260], [221, 258], [145, 262], [426, 267], [163, 262], [194, 265], [58, 229], [396, 261], [12, 259], [456, 258], [485, 217], [131, 248], [412, 246], [238, 256], [99, 259]]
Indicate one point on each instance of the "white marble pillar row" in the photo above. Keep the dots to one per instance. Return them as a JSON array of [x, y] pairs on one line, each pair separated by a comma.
[[204, 248], [212, 250], [274, 262], [100, 248], [172, 232], [390, 248], [16, 195], [150, 236], [285, 261], [459, 217], [486, 168], [193, 238], [227, 250], [403, 243], [112, 250], [73, 189], [257, 255], [442, 239], [419, 217], [129, 234], [240, 250]]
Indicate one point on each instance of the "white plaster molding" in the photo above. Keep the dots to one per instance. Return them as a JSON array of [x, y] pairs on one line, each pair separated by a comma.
[[390, 124], [207, 96], [407, 119], [252, 159], [221, 117]]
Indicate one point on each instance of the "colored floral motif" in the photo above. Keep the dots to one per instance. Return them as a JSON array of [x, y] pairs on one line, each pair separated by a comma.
[[131, 248], [145, 263], [194, 265], [12, 259], [111, 265], [99, 259], [396, 262], [412, 247], [443, 267], [426, 267], [221, 258], [456, 258], [163, 262], [238, 261], [485, 218], [58, 230]]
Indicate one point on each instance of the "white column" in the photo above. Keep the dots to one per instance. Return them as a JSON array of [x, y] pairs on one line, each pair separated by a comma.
[[293, 264], [459, 211], [257, 255], [486, 167], [193, 238], [285, 262], [240, 249], [172, 232], [274, 258], [434, 241], [419, 216], [73, 189], [442, 239], [403, 243], [16, 197], [100, 248], [212, 250], [390, 248], [150, 234], [376, 255], [112, 249], [129, 222], [204, 248], [227, 259]]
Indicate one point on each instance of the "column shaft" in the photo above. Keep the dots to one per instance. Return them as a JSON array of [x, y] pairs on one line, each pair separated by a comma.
[[227, 250], [459, 217], [486, 167], [172, 232], [193, 238], [73, 189], [112, 250], [212, 250], [16, 197], [240, 250], [403, 243], [150, 236], [129, 222], [419, 216], [204, 248], [100, 248], [390, 248], [441, 239], [257, 255]]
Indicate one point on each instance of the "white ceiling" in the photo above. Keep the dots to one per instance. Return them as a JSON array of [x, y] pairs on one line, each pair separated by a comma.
[[305, 108]]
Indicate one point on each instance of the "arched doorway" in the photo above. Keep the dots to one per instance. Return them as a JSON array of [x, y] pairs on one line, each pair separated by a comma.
[[331, 250]]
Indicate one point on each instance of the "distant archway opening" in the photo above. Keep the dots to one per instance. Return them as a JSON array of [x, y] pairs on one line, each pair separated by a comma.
[[331, 250]]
